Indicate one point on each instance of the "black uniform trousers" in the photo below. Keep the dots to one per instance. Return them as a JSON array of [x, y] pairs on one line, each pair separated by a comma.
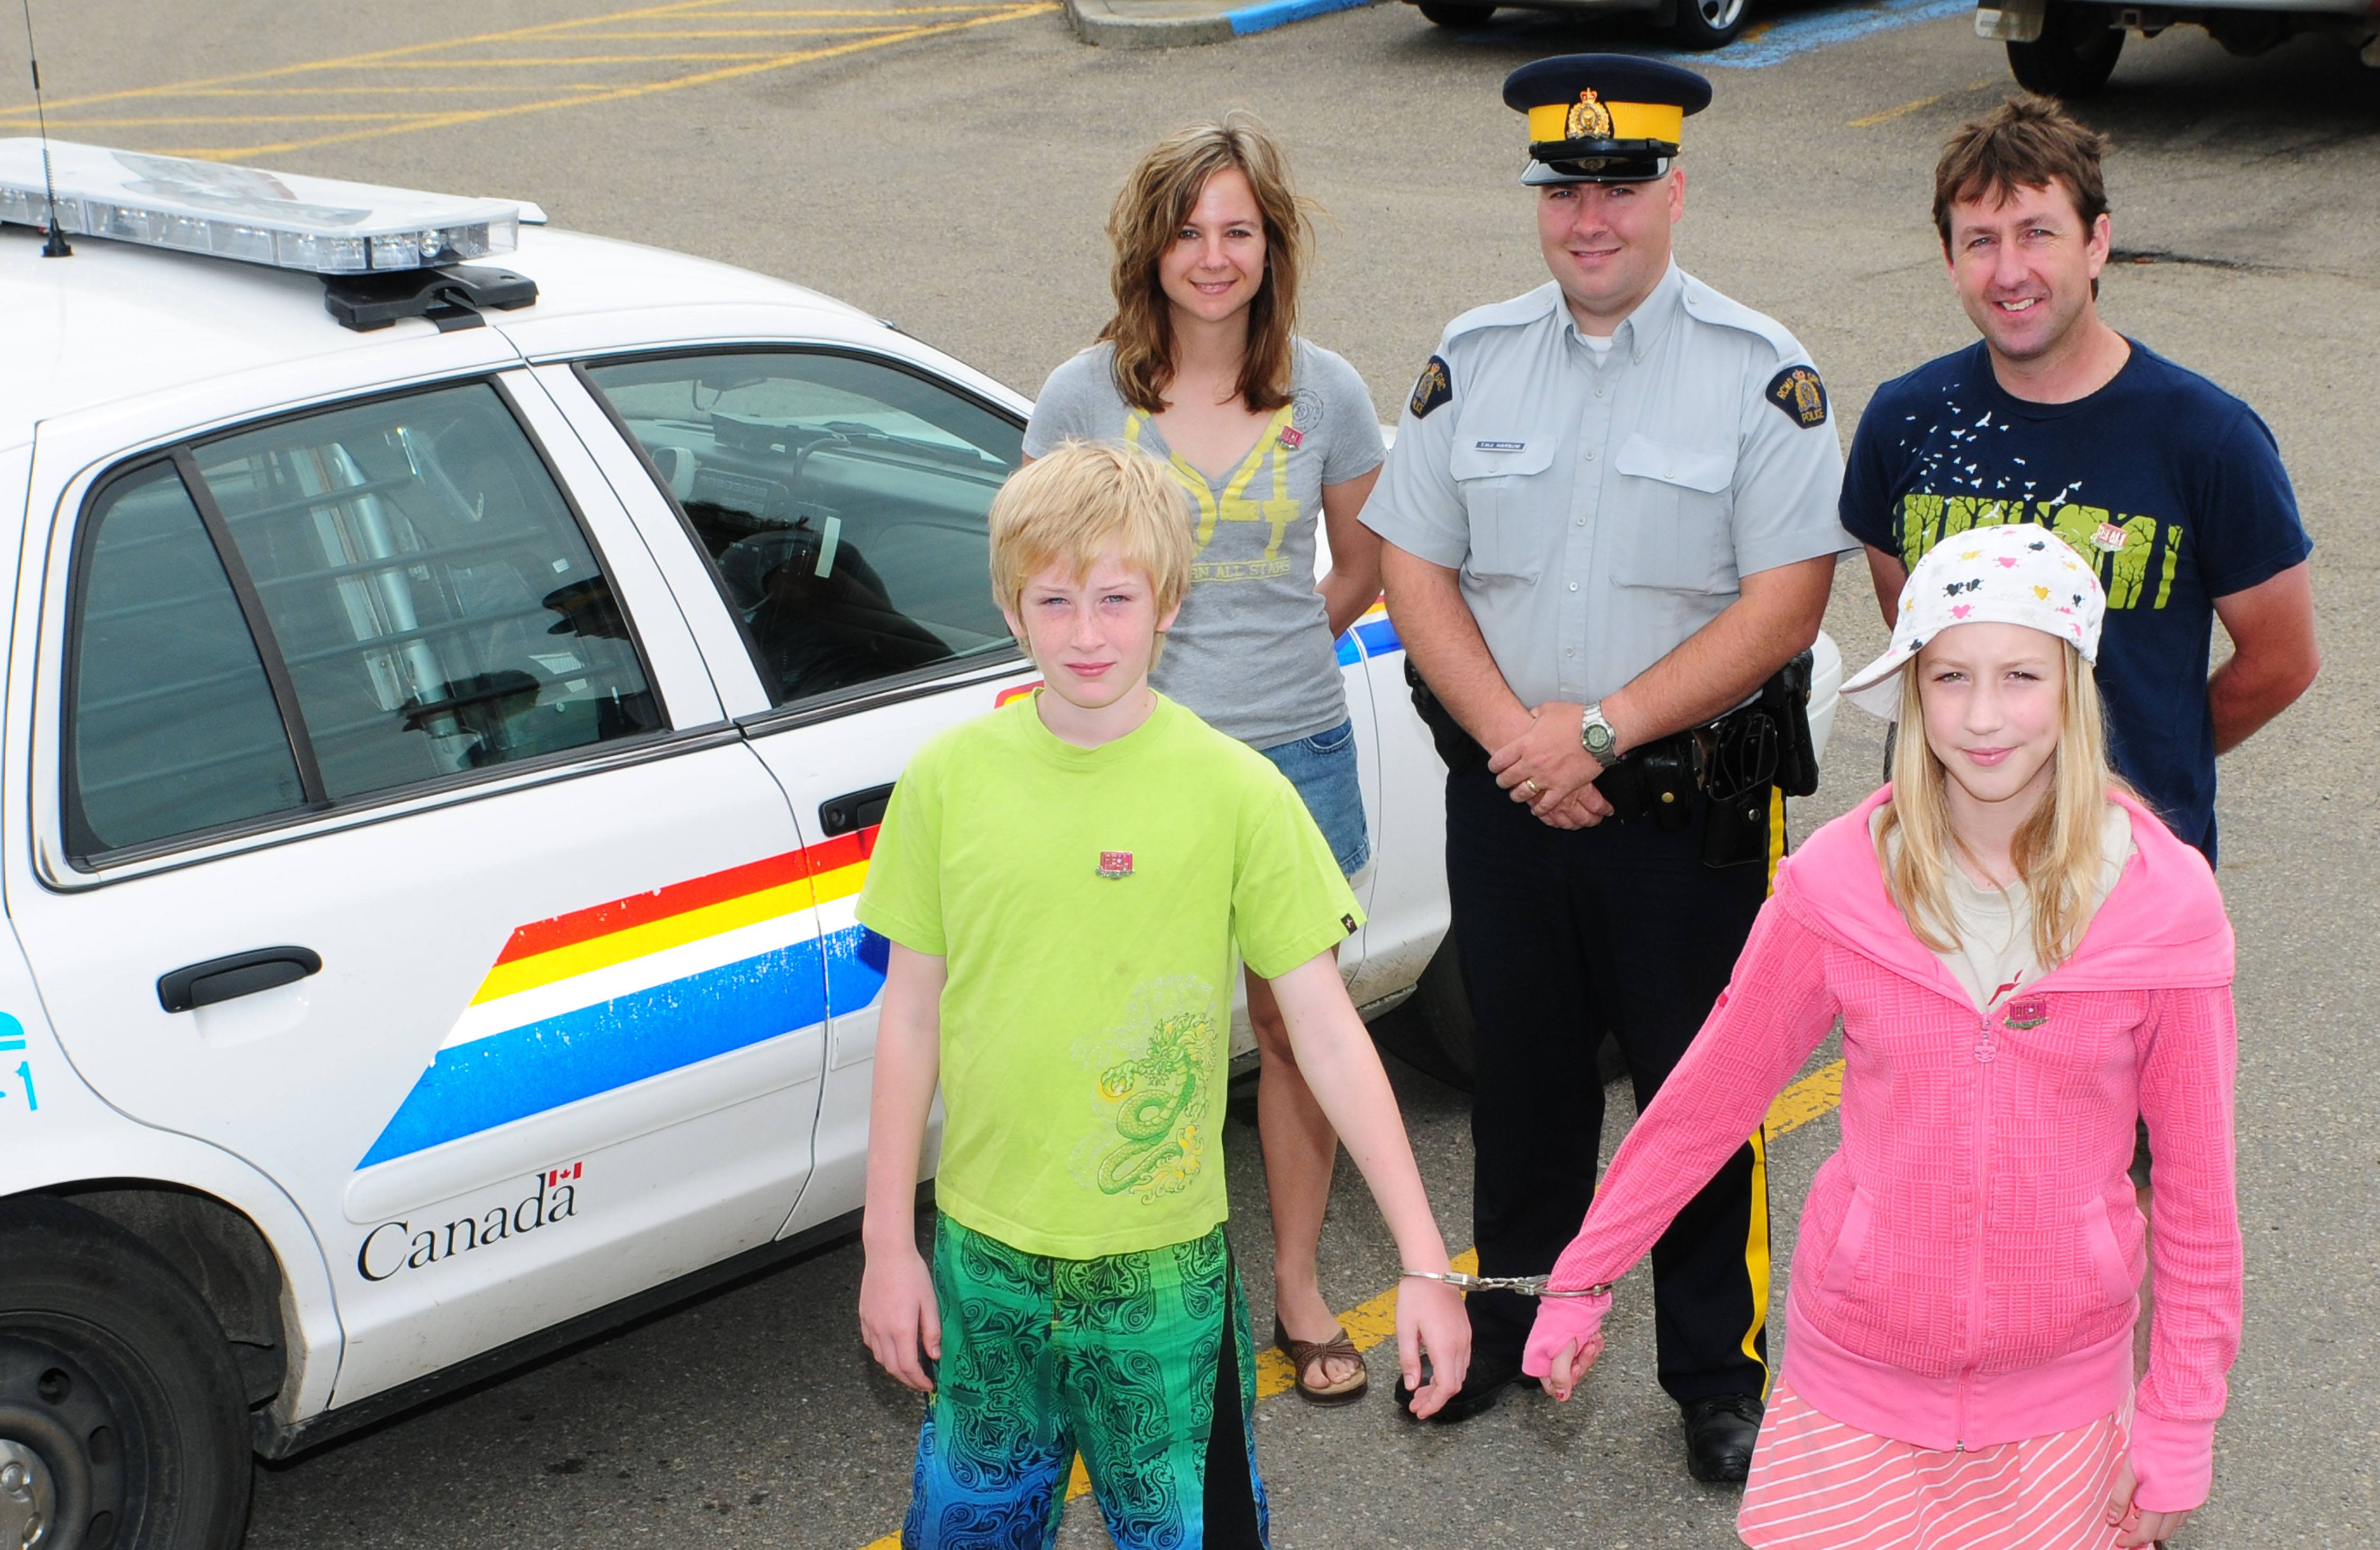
[[1565, 934]]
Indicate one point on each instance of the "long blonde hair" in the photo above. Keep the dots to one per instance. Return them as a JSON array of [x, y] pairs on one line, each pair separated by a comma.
[[1148, 214], [2058, 851]]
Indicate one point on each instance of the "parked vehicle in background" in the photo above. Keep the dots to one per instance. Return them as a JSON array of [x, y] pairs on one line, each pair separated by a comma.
[[1695, 24], [2069, 48]]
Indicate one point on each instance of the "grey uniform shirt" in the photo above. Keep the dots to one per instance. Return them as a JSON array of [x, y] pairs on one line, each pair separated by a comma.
[[1252, 652], [1600, 509]]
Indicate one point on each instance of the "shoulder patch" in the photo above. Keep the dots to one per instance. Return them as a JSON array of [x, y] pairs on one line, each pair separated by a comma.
[[1432, 388], [1798, 392]]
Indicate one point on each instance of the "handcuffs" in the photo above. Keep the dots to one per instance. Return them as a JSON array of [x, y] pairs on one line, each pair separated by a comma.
[[1527, 1286]]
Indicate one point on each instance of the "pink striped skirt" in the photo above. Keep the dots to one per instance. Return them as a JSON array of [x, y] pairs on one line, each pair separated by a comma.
[[1818, 1485]]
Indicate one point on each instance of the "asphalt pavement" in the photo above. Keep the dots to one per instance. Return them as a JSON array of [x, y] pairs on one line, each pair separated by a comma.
[[948, 166]]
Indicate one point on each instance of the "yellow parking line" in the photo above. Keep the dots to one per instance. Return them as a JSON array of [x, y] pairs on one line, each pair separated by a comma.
[[1373, 1322], [741, 32], [247, 118], [625, 94], [379, 55], [1919, 103]]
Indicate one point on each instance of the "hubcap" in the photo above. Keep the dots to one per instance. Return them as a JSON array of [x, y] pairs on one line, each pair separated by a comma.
[[1720, 14], [28, 1498]]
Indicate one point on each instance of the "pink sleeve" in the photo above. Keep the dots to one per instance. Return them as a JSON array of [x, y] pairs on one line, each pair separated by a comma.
[[1563, 1321], [2188, 1062], [1775, 1011]]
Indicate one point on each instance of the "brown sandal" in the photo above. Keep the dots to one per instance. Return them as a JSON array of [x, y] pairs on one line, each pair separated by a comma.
[[1303, 1354]]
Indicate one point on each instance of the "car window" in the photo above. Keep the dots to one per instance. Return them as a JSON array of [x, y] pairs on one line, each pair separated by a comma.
[[842, 502], [172, 726], [429, 588]]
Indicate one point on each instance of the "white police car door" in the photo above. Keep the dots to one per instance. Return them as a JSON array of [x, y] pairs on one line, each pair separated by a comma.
[[835, 500], [386, 831]]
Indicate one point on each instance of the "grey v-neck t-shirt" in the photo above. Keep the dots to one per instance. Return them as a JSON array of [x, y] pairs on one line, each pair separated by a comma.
[[1252, 652]]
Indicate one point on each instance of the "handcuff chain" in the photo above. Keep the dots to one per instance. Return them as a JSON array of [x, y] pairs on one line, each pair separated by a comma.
[[1527, 1286]]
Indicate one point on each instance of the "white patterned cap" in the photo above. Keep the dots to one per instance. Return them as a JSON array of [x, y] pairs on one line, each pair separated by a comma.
[[2020, 574]]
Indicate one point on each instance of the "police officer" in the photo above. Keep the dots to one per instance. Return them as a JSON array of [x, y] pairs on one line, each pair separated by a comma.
[[1610, 520]]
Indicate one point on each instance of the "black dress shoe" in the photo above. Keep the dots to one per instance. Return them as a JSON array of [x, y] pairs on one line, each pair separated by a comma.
[[1719, 1434], [1476, 1397]]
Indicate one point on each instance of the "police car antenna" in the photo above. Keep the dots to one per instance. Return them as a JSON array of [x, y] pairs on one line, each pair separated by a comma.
[[55, 247]]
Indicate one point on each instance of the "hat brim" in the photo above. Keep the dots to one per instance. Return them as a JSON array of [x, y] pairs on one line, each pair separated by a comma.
[[1876, 688], [1614, 169]]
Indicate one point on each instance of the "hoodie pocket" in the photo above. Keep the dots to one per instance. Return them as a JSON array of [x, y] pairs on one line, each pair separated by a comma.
[[2099, 1236], [1851, 1244]]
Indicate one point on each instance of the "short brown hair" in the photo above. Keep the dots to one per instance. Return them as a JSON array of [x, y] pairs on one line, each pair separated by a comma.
[[1148, 215], [2026, 143], [1084, 500]]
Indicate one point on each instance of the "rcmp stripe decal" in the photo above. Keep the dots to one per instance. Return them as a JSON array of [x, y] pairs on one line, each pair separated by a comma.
[[1377, 636], [663, 980]]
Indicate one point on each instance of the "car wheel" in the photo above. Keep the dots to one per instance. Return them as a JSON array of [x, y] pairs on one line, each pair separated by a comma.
[[1709, 24], [1433, 1031], [1445, 15], [2073, 56], [121, 1426]]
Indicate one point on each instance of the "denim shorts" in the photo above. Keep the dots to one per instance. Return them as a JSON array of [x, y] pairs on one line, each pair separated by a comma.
[[1323, 768]]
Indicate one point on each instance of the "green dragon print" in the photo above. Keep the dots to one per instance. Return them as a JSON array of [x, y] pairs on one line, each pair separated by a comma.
[[1150, 1097]]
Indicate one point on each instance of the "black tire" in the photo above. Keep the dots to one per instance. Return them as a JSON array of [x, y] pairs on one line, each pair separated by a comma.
[[2073, 56], [1433, 1031], [117, 1378], [1708, 24], [1446, 14]]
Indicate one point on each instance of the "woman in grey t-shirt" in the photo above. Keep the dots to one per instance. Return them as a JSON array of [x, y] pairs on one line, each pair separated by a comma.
[[1267, 435]]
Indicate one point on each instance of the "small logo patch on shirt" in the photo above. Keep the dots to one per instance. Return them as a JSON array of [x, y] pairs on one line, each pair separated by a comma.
[[2109, 539], [1115, 864], [1502, 447], [1291, 437], [1349, 922], [1798, 391], [1433, 387], [2028, 1012]]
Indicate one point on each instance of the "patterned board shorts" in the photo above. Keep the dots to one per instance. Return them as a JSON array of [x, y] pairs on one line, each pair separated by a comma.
[[1140, 1362]]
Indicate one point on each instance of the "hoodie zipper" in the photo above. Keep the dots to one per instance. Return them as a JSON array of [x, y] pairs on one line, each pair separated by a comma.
[[1987, 1056]]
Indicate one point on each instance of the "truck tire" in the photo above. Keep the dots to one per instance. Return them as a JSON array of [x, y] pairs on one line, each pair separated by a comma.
[[120, 1414], [1433, 1031], [1446, 14], [1704, 25], [2073, 56]]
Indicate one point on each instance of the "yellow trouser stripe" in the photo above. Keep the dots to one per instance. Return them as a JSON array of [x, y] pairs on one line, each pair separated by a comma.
[[1776, 834], [1755, 1253]]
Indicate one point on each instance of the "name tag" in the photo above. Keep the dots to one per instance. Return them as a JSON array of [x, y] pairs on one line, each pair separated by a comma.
[[1502, 447]]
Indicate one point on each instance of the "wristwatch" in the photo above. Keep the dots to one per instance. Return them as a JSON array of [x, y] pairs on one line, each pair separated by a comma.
[[1594, 735]]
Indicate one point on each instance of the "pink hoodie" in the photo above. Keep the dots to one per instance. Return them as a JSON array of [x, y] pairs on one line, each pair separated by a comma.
[[1969, 1263]]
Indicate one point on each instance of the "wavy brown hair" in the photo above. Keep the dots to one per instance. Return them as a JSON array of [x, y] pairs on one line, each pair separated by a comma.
[[1148, 215]]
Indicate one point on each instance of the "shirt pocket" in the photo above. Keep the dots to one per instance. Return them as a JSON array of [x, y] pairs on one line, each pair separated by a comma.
[[1508, 497], [2116, 1278], [1676, 498], [1851, 1244]]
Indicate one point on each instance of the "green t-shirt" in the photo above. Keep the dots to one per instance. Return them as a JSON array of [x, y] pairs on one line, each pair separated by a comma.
[[1086, 901]]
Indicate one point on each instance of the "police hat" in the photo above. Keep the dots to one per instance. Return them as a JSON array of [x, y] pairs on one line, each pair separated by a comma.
[[1603, 118]]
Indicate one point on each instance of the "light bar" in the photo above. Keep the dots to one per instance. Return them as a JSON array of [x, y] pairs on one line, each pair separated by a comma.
[[320, 225]]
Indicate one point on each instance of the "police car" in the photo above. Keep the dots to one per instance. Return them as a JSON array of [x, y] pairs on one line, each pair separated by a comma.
[[455, 671]]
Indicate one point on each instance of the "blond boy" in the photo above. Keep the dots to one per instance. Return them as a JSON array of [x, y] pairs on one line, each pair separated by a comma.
[[1063, 882]]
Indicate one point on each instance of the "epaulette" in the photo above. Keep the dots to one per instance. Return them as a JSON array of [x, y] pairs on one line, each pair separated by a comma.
[[1707, 305], [1519, 311]]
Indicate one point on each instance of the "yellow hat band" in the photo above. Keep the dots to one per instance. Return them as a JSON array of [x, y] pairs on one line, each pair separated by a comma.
[[1661, 121]]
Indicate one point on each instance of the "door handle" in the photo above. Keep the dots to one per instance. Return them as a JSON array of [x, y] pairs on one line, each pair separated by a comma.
[[854, 811], [242, 973]]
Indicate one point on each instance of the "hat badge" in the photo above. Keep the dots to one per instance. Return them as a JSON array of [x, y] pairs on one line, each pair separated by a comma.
[[1590, 119]]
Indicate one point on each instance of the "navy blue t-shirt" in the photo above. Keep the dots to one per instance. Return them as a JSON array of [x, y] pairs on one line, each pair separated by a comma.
[[2172, 486]]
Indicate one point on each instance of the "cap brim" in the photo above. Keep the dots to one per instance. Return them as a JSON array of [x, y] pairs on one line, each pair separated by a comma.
[[1540, 174], [1876, 688]]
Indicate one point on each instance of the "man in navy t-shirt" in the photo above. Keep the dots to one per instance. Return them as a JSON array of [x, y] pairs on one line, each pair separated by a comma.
[[2172, 486]]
